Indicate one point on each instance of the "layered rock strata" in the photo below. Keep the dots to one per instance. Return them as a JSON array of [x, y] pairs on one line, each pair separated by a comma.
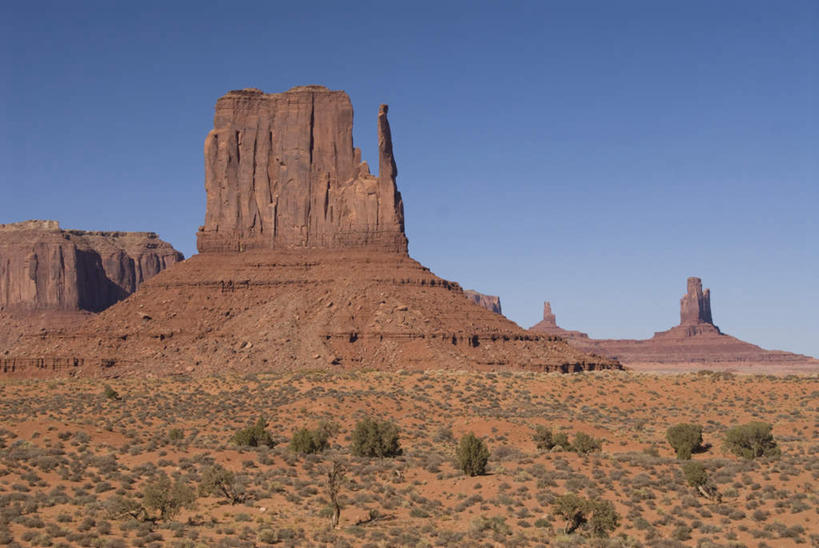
[[489, 302], [281, 172], [43, 267], [327, 309]]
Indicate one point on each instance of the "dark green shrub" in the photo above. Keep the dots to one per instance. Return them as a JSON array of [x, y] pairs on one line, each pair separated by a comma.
[[584, 443], [110, 393], [472, 455], [597, 516], [751, 440], [254, 436], [573, 509], [547, 440], [684, 439], [217, 479], [166, 497], [374, 438], [697, 477], [695, 473], [308, 441], [604, 518]]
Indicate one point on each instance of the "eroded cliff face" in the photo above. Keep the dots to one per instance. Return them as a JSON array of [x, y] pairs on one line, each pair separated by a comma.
[[695, 305], [281, 172], [43, 267], [489, 302]]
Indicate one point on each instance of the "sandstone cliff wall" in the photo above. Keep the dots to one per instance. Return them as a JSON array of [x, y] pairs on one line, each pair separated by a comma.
[[281, 172], [45, 268]]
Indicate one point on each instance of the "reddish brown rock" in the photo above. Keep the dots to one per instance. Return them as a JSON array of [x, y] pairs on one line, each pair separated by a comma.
[[281, 172], [695, 343], [303, 266], [548, 325], [43, 267], [489, 302]]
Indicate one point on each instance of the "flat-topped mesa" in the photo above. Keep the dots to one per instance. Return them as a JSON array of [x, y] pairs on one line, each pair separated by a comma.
[[281, 172], [489, 302], [45, 268], [695, 305]]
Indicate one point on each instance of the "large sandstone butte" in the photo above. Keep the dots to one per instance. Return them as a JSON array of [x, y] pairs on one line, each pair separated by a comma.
[[281, 172], [696, 343], [43, 267], [303, 264]]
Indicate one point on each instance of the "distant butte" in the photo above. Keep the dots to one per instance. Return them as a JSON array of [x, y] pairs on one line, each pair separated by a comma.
[[302, 264], [696, 343], [489, 302]]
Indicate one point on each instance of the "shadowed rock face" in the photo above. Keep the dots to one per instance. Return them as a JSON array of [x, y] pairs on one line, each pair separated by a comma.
[[281, 172], [43, 267], [489, 302]]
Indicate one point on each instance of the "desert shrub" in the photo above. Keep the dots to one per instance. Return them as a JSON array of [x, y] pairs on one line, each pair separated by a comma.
[[751, 440], [684, 439], [695, 473], [697, 477], [166, 497], [110, 393], [561, 440], [308, 441], [219, 480], [472, 455], [604, 518], [546, 439], [254, 436], [543, 437], [597, 516], [374, 438], [584, 443]]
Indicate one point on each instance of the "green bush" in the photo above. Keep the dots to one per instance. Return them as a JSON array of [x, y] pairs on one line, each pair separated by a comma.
[[110, 393], [598, 517], [217, 479], [584, 443], [685, 439], [169, 498], [374, 438], [752, 440], [697, 477], [546, 439], [308, 441], [695, 473], [472, 455], [254, 436]]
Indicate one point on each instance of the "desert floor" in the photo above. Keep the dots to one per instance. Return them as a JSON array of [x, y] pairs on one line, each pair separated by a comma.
[[67, 451]]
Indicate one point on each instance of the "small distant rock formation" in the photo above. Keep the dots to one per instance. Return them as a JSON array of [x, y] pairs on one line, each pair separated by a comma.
[[43, 267], [489, 302], [695, 343], [281, 172], [549, 326]]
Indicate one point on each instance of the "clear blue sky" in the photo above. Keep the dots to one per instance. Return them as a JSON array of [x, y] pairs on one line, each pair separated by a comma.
[[592, 153]]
